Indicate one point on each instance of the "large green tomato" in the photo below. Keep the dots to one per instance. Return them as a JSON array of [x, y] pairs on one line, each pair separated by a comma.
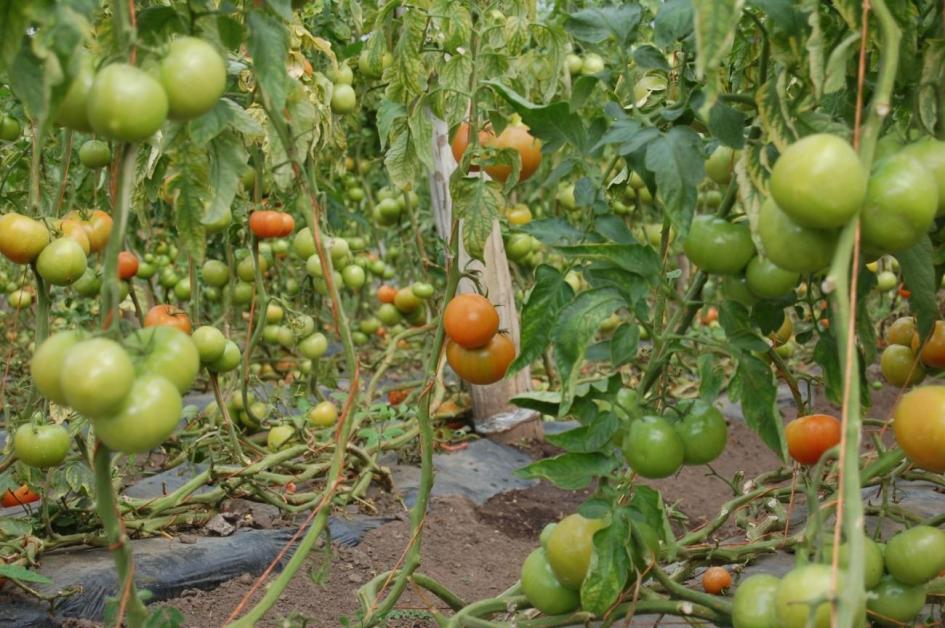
[[314, 346], [62, 262], [703, 433], [146, 417], [570, 545], [96, 376], [801, 588], [165, 351], [193, 76], [754, 603], [72, 112], [931, 153], [215, 273], [901, 202], [792, 246], [210, 343], [718, 246], [819, 181], [95, 154], [887, 146], [46, 365], [894, 603], [916, 555], [126, 103], [767, 280], [343, 98], [720, 164], [872, 560], [652, 447], [41, 446], [304, 245], [543, 589], [229, 360], [736, 289]]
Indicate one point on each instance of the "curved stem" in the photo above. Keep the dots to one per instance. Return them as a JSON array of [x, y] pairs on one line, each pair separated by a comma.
[[111, 290]]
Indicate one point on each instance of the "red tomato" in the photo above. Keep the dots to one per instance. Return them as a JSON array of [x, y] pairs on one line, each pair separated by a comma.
[[485, 365], [808, 437], [170, 316], [470, 320], [18, 497], [127, 265]]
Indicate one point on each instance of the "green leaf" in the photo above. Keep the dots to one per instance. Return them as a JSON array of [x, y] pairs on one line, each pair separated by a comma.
[[388, 112], [715, 22], [825, 354], [739, 328], [649, 57], [815, 52], [544, 401], [14, 20], [575, 327], [753, 385], [727, 124], [593, 26], [836, 74], [711, 378], [932, 84], [189, 189], [570, 471], [228, 159], [269, 47], [623, 344], [587, 438], [12, 527], [553, 231], [918, 275], [673, 22], [773, 114], [850, 11], [22, 574], [609, 568], [545, 301], [477, 203], [638, 259], [677, 162], [555, 124]]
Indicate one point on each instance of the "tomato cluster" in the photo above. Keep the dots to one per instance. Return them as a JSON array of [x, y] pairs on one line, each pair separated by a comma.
[[130, 391], [475, 350], [656, 447]]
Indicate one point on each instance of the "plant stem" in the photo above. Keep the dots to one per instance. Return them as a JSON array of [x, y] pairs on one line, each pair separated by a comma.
[[111, 290], [105, 505]]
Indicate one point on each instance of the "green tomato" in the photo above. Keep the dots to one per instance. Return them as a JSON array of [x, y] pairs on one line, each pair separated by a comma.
[[193, 76], [359, 338], [893, 603], [302, 326], [343, 99], [718, 246], [215, 273], [916, 555], [573, 63], [342, 75], [518, 247], [546, 534], [46, 365], [887, 146], [565, 196], [89, 284], [41, 446], [182, 289], [279, 436], [703, 433], [353, 277], [210, 343], [388, 314], [73, 113], [591, 64], [900, 367], [165, 351], [10, 129], [819, 181], [304, 244], [241, 293], [791, 246], [314, 346], [931, 153], [720, 164], [284, 336], [313, 266], [736, 289], [901, 202], [652, 447], [229, 360], [754, 603], [872, 560], [146, 270], [219, 223], [369, 326], [62, 262], [570, 545], [246, 269], [542, 588], [96, 376], [802, 593], [422, 290], [95, 154], [324, 414], [19, 299], [146, 417], [767, 280], [126, 104]]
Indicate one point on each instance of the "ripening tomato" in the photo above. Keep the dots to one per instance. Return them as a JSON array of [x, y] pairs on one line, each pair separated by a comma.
[[386, 293], [819, 182], [22, 239], [919, 424], [569, 549], [126, 103], [808, 437], [470, 320], [406, 301], [193, 75], [127, 265], [902, 332], [98, 226], [76, 231], [514, 137], [168, 315], [901, 366], [933, 351], [485, 365], [18, 497], [716, 579]]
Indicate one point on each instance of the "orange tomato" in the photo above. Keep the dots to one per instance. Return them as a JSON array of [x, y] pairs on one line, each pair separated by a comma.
[[18, 497], [386, 294], [470, 320], [716, 579], [808, 437], [933, 351], [127, 265], [170, 316]]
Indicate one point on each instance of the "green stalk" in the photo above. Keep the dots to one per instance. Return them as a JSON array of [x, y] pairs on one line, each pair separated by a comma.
[[849, 590], [111, 290], [105, 505]]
